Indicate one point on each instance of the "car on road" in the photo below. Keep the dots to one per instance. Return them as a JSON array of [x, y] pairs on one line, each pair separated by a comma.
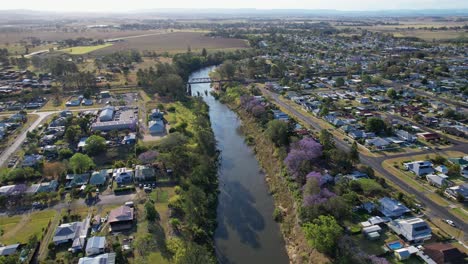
[[450, 222]]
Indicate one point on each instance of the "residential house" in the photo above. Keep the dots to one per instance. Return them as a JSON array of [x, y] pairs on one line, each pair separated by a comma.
[[82, 144], [363, 100], [392, 208], [156, 114], [144, 173], [95, 245], [76, 180], [443, 253], [129, 139], [457, 191], [356, 134], [277, 114], [9, 250], [419, 168], [355, 175], [32, 160], [405, 253], [378, 142], [43, 187], [438, 180], [414, 230], [9, 190], [69, 233], [442, 169], [108, 258], [156, 127], [123, 176], [406, 136], [98, 178], [121, 218], [428, 136]]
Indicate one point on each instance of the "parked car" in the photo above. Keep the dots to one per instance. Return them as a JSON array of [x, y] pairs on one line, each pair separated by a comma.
[[450, 222]]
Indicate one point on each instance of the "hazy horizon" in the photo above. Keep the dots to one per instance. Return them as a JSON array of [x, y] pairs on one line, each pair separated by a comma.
[[142, 5]]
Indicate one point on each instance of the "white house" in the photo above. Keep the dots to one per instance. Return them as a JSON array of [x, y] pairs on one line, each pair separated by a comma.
[[414, 230]]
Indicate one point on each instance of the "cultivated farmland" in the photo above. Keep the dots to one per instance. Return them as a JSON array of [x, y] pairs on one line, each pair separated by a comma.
[[174, 43], [84, 49]]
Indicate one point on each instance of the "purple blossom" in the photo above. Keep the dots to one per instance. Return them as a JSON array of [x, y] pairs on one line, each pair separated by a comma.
[[148, 156], [258, 110], [306, 150], [323, 196], [317, 176], [377, 260]]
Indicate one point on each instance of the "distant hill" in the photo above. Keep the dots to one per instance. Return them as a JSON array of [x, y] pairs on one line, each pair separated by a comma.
[[23, 14]]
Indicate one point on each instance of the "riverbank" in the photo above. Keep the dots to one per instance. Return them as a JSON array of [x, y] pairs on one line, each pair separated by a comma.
[[270, 160]]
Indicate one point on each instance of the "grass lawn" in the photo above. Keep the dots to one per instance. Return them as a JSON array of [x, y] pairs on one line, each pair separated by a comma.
[[80, 50], [182, 114], [21, 228], [372, 247]]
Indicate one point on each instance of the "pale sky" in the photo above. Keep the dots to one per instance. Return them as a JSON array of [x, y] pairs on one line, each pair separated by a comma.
[[131, 5]]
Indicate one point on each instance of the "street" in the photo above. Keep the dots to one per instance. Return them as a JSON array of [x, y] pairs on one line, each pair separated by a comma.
[[376, 163]]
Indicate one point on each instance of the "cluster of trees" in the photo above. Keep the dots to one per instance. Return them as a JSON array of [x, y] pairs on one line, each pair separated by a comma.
[[121, 58], [192, 157], [163, 80]]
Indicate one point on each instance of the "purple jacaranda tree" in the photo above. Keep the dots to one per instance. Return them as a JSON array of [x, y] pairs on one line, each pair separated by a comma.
[[316, 199], [148, 156], [377, 260], [299, 159], [317, 176]]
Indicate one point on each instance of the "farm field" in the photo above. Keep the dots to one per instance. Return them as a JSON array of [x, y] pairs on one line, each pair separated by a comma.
[[14, 37], [21, 228], [80, 50], [174, 42]]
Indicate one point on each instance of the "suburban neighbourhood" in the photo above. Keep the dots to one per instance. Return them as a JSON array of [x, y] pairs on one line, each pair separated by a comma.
[[254, 137]]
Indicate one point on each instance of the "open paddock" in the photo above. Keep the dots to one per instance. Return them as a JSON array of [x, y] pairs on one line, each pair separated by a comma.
[[174, 42]]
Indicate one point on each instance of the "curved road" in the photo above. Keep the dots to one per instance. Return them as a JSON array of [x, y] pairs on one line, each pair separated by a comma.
[[376, 163], [21, 137], [5, 155]]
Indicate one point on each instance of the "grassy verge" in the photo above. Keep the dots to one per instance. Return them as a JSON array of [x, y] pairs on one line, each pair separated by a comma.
[[21, 228], [268, 157]]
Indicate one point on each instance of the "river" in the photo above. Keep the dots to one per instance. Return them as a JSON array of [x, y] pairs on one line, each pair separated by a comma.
[[246, 231]]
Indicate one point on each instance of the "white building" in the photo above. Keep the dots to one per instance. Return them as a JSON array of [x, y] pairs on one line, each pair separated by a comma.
[[414, 230]]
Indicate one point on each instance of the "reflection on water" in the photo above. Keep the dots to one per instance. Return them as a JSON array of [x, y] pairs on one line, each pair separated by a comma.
[[246, 232]]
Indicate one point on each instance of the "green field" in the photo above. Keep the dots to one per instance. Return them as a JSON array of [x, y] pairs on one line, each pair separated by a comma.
[[80, 50], [21, 228]]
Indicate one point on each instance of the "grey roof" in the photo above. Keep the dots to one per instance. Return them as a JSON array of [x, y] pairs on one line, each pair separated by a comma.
[[67, 231], [392, 208], [108, 258], [9, 250], [96, 242]]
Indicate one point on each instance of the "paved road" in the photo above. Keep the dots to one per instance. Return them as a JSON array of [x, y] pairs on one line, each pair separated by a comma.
[[376, 164], [5, 155], [21, 137]]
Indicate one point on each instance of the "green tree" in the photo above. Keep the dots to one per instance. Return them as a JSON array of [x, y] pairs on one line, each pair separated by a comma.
[[277, 132], [95, 145], [194, 253], [151, 213], [375, 125], [204, 53], [65, 153], [340, 82], [275, 71], [323, 233], [73, 133], [81, 163], [326, 140], [392, 94], [354, 153]]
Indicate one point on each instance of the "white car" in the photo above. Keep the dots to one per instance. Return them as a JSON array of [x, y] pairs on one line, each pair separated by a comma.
[[450, 222]]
